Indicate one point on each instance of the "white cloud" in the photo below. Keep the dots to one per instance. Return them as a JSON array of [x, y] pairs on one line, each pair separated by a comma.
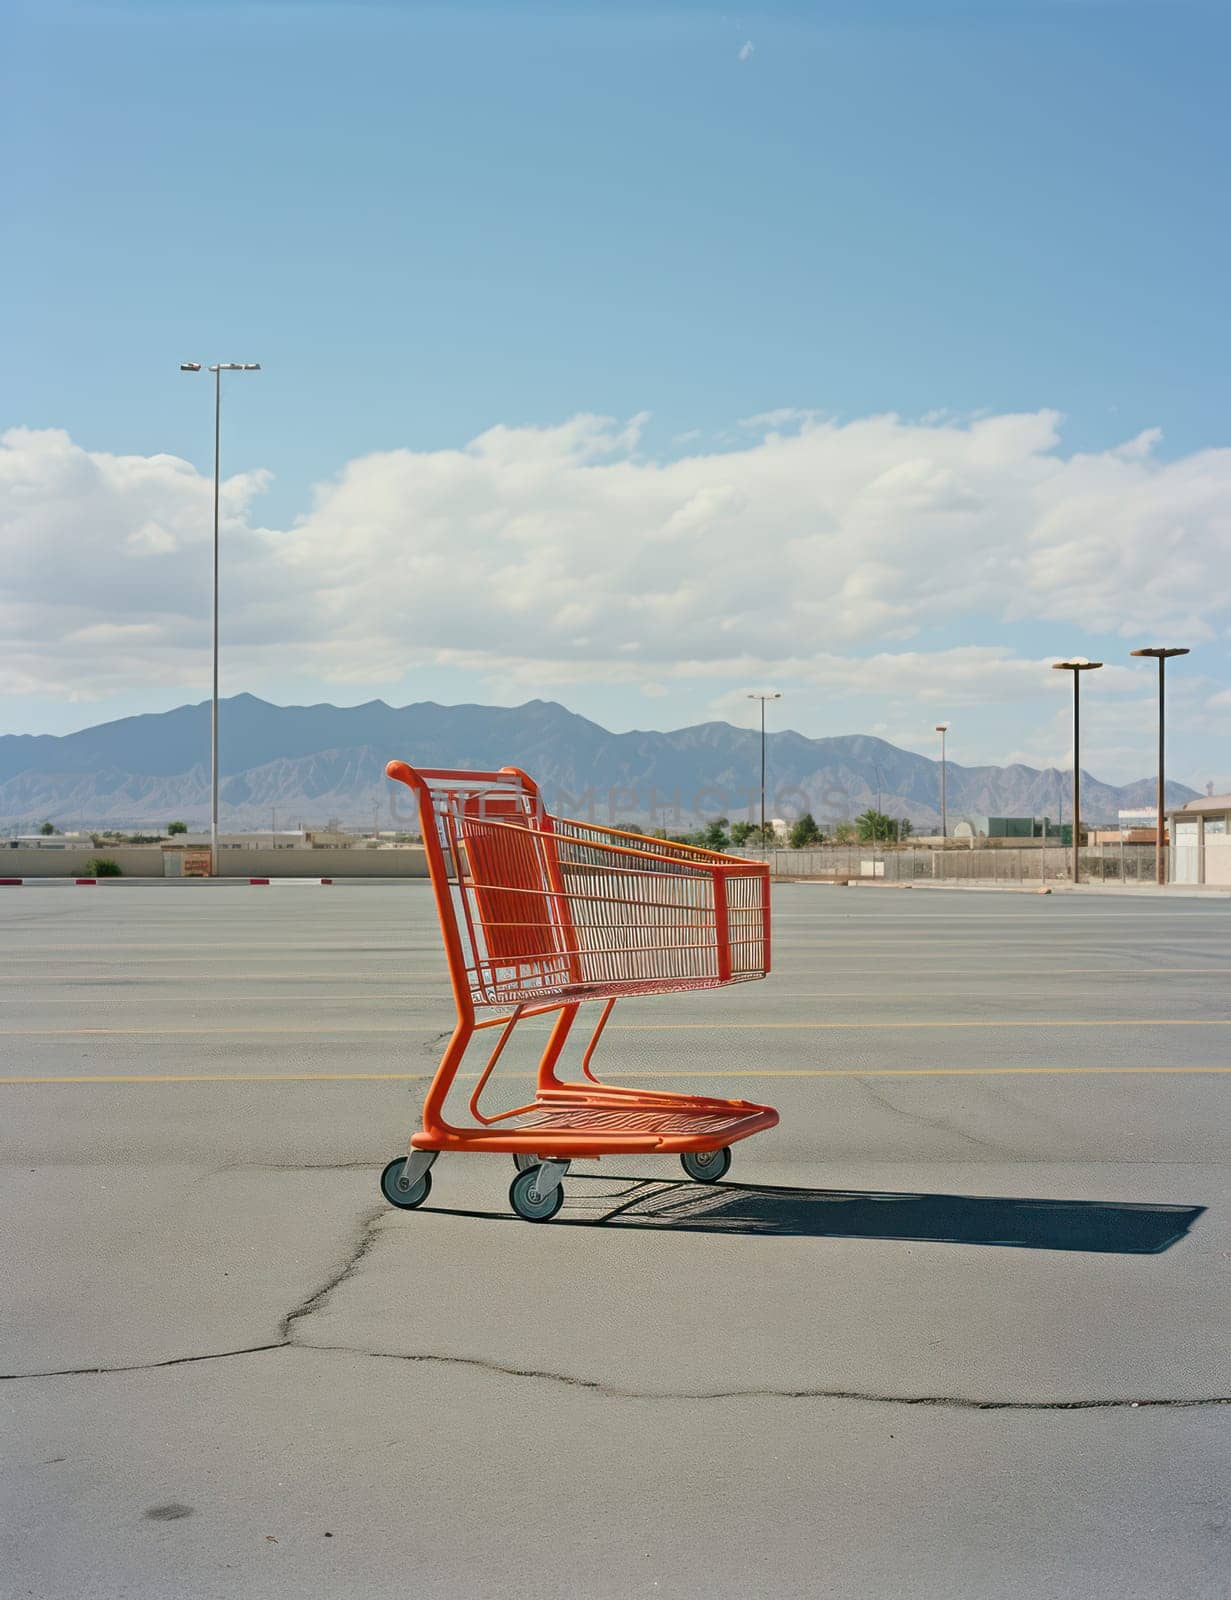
[[558, 554], [746, 50], [778, 419]]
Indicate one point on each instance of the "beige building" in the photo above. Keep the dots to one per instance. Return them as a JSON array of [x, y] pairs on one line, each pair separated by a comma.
[[1201, 841]]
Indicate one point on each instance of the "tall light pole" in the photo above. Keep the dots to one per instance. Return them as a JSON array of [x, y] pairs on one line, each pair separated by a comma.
[[880, 783], [1076, 666], [1160, 654], [773, 694], [942, 728], [217, 369]]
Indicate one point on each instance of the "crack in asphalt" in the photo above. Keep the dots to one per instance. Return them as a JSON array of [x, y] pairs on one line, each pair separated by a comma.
[[145, 1366], [364, 1241], [362, 1245], [612, 1391], [359, 1248], [615, 1392], [294, 1166], [941, 1124]]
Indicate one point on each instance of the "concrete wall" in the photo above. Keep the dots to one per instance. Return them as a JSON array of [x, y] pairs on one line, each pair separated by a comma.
[[410, 863], [135, 861], [146, 861]]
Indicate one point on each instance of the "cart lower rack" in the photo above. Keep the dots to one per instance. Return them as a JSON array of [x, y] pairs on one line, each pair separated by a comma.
[[540, 915]]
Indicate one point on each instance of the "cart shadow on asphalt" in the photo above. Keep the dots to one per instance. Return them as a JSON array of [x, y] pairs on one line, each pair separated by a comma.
[[1106, 1227]]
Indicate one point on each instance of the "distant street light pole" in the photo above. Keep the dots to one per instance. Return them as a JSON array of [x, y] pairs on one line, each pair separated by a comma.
[[880, 784], [773, 694], [1160, 654], [217, 369], [942, 728], [1076, 666]]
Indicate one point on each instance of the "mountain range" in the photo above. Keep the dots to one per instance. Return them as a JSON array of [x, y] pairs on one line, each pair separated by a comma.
[[315, 763]]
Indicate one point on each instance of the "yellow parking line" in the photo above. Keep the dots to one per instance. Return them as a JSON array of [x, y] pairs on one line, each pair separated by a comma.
[[721, 1026], [397, 982], [234, 1077], [200, 1033], [410, 995], [407, 978], [764, 1072], [100, 997]]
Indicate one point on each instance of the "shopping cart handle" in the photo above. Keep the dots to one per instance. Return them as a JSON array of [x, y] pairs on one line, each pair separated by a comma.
[[401, 773]]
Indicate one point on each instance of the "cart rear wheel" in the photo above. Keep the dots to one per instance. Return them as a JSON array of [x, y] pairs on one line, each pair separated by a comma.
[[405, 1199], [523, 1162], [706, 1166], [526, 1200]]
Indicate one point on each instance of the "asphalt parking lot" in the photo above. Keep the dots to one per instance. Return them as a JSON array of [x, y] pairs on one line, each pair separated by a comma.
[[956, 1328]]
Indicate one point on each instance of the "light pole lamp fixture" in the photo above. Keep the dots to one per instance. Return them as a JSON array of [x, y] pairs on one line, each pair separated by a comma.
[[942, 728], [218, 368], [1076, 665], [771, 694], [1161, 654]]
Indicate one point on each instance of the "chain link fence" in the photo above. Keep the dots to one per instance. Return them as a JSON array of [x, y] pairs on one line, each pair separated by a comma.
[[1100, 863]]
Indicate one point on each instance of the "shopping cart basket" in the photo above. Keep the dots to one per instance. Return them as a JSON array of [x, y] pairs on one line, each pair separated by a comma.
[[540, 914]]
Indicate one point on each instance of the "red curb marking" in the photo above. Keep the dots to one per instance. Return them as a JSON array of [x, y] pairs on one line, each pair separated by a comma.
[[12, 880], [258, 880], [87, 880]]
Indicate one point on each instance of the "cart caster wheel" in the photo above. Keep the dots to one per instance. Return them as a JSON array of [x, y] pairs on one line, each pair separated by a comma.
[[523, 1163], [526, 1200], [706, 1166], [405, 1199]]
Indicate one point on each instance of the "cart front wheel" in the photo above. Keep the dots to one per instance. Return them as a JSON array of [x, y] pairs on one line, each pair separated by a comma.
[[526, 1200], [706, 1166], [408, 1198], [523, 1162]]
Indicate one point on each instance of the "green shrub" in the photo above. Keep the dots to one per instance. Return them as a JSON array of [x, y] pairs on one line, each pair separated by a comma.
[[103, 867]]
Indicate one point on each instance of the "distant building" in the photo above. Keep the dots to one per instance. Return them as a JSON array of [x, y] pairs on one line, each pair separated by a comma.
[[1017, 828], [1201, 841], [1138, 825], [51, 841], [258, 839]]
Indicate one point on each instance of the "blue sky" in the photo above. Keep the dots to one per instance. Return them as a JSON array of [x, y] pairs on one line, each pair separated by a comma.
[[431, 223]]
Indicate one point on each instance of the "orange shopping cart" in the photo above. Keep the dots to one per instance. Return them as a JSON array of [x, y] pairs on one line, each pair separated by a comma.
[[540, 914]]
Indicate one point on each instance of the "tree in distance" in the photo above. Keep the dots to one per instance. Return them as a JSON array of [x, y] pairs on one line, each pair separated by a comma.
[[879, 827], [741, 832], [176, 827], [713, 836], [47, 829], [762, 838], [805, 832]]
